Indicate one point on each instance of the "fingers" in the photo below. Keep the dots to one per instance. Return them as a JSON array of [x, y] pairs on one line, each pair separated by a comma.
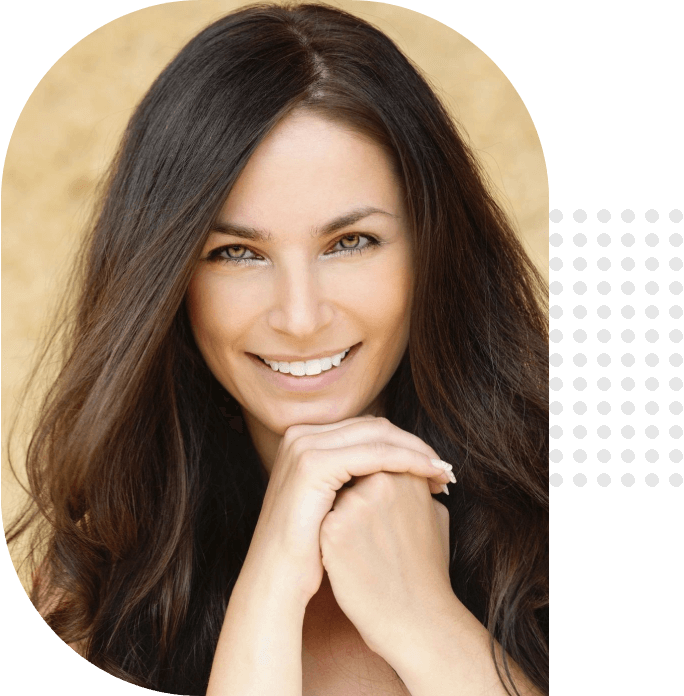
[[334, 467], [365, 430], [357, 431], [295, 432]]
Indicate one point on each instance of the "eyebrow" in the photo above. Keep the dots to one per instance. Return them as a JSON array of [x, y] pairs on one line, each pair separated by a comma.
[[338, 223]]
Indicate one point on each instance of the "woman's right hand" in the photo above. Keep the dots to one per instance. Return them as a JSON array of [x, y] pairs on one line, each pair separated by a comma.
[[312, 463]]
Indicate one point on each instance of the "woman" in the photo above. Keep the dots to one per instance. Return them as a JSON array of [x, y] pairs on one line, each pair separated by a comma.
[[296, 297]]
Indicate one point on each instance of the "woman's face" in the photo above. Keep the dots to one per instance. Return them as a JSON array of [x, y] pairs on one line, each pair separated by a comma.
[[310, 256]]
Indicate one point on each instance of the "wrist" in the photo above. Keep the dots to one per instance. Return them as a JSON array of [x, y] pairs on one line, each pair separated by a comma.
[[271, 579]]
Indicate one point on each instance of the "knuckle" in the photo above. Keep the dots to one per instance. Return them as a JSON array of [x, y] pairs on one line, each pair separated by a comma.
[[291, 434], [294, 436], [380, 449]]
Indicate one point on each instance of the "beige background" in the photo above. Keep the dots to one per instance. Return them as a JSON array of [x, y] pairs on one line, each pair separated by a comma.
[[72, 122]]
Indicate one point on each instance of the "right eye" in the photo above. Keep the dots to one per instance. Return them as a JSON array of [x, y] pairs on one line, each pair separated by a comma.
[[215, 255]]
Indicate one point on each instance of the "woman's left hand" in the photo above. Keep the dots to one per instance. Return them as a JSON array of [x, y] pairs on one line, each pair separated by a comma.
[[385, 547]]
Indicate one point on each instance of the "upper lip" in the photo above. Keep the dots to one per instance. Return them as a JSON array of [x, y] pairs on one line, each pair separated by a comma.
[[297, 358]]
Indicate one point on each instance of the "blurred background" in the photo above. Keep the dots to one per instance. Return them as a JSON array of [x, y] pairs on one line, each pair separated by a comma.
[[70, 127]]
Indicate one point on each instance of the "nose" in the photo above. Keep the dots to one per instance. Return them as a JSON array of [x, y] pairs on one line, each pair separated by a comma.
[[299, 307]]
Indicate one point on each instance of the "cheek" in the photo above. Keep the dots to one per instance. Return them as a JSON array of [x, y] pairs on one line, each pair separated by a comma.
[[211, 307], [387, 298]]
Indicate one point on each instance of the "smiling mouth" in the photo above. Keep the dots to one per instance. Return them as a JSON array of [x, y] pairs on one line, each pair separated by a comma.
[[307, 368]]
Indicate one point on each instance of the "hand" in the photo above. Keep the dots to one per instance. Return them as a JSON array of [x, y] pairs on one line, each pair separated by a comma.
[[311, 466], [385, 547]]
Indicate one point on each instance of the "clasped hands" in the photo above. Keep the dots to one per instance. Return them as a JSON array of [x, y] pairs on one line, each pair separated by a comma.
[[385, 547]]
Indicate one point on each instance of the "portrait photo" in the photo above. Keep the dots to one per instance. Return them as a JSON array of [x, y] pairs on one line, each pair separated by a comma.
[[275, 355]]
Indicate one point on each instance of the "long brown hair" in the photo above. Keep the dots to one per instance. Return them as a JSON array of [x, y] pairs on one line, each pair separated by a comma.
[[144, 483]]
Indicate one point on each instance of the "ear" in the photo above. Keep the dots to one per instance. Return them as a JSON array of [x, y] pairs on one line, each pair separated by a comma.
[[442, 515]]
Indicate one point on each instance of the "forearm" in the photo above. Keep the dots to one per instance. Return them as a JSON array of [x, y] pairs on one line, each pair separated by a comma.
[[451, 655], [259, 651]]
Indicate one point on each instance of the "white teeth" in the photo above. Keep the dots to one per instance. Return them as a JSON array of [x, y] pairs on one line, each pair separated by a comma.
[[310, 367]]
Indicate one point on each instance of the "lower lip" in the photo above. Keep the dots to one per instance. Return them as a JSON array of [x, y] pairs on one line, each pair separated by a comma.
[[308, 383]]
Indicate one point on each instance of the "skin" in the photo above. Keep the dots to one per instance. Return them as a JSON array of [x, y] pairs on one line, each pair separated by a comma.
[[297, 298]]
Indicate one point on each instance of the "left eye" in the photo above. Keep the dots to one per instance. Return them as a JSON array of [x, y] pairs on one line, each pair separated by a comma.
[[240, 254]]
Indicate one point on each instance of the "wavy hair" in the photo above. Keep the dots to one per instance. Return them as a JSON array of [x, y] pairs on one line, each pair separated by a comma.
[[145, 487]]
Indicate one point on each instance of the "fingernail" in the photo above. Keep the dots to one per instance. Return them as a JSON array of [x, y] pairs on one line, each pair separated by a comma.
[[441, 465], [445, 489], [451, 476]]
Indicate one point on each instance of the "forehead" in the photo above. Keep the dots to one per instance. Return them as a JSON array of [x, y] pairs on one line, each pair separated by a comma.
[[307, 170]]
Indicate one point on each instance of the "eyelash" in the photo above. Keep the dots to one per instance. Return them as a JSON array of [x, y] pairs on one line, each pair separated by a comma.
[[213, 256]]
